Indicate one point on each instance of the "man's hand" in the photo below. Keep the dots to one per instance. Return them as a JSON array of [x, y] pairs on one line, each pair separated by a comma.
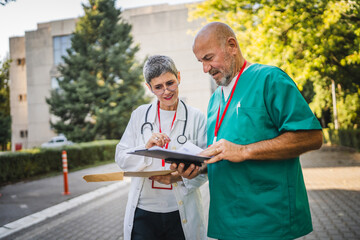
[[191, 172], [285, 146], [224, 149], [168, 178]]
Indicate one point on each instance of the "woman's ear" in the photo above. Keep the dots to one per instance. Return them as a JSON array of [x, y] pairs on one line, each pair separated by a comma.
[[178, 77], [149, 87]]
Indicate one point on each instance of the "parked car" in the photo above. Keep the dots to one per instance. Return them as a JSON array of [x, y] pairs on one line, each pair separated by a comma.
[[57, 141]]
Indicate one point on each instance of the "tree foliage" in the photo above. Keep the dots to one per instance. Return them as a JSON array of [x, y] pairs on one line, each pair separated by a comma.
[[101, 82], [5, 118], [314, 41]]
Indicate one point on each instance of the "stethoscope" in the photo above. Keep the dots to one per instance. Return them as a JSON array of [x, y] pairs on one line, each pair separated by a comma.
[[181, 138]]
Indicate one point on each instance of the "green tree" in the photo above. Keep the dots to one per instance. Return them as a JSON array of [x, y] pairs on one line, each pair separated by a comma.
[[5, 118], [315, 42], [101, 82]]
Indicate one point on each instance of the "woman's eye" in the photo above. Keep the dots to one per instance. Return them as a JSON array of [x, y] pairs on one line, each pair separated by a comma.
[[170, 83], [158, 87]]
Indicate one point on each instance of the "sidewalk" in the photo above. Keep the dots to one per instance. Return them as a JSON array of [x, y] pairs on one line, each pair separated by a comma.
[[25, 198], [332, 178]]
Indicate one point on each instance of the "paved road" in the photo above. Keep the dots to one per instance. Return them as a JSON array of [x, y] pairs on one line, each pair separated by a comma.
[[101, 218], [332, 179], [24, 198]]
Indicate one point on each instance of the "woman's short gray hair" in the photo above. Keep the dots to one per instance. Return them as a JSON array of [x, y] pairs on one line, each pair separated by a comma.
[[157, 65]]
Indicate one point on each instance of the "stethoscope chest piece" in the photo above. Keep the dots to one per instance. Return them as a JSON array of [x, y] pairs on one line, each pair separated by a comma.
[[182, 139]]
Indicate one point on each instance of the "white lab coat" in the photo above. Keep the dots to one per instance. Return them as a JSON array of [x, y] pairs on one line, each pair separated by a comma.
[[187, 192]]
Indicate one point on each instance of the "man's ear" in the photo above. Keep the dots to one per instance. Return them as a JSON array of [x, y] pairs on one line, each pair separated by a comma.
[[232, 44], [149, 87]]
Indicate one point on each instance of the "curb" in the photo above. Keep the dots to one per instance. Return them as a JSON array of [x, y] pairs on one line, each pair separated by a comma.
[[38, 217]]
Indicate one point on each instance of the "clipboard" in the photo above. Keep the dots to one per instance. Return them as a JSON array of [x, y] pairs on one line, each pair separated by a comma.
[[171, 156]]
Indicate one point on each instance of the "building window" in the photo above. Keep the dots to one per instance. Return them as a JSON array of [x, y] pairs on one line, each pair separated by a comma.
[[54, 83], [20, 61], [23, 133], [22, 97], [60, 44]]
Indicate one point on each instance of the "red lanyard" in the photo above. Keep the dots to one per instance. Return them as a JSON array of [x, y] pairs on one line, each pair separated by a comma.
[[167, 144], [218, 124]]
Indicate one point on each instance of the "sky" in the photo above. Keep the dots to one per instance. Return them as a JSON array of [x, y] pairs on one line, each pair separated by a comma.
[[23, 15]]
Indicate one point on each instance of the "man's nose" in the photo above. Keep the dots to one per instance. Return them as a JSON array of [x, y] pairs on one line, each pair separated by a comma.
[[206, 67]]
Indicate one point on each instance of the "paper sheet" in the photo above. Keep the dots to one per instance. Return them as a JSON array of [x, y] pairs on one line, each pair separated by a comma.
[[190, 148]]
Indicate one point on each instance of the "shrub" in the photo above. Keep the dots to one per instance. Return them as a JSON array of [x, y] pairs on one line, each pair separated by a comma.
[[343, 137], [16, 166]]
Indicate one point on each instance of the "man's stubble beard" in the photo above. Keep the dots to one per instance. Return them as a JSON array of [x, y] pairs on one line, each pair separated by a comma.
[[228, 76]]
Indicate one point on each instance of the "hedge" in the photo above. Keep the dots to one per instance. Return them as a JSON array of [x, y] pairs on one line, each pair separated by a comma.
[[342, 137], [16, 166]]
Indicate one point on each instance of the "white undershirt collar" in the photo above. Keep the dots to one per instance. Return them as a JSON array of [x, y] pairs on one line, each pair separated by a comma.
[[227, 89]]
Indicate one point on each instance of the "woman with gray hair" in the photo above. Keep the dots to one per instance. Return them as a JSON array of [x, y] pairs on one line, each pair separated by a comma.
[[163, 207]]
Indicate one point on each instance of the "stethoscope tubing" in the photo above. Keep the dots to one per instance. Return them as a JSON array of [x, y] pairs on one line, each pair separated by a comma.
[[181, 138]]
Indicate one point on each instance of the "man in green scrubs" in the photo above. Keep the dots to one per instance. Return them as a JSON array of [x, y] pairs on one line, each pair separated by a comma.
[[258, 125]]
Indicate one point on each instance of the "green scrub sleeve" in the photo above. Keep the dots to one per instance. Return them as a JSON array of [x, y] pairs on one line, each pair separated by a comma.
[[286, 106]]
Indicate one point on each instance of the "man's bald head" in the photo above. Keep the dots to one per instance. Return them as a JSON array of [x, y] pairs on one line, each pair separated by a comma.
[[215, 31], [216, 47]]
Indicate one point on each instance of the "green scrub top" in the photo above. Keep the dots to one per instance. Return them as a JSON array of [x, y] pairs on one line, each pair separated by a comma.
[[259, 199]]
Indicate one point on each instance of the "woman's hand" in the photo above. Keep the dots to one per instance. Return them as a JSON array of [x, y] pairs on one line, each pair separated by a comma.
[[157, 139], [167, 179], [191, 172]]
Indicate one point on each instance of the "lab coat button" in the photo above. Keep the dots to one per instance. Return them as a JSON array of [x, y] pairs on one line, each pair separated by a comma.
[[184, 221], [180, 202], [175, 184]]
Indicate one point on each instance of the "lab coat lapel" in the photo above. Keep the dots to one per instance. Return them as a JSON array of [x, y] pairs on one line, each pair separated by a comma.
[[181, 112], [152, 115]]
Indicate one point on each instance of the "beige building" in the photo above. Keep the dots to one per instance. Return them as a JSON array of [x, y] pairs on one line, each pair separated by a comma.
[[18, 94], [161, 29]]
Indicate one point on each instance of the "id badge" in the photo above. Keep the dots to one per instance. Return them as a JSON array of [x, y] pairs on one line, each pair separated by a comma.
[[157, 185]]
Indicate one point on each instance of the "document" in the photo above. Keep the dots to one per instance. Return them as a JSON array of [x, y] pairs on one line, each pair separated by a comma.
[[186, 154]]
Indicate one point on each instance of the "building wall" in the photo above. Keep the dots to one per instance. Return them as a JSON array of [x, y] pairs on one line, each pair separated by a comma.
[[34, 79], [18, 93], [40, 65], [161, 29]]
